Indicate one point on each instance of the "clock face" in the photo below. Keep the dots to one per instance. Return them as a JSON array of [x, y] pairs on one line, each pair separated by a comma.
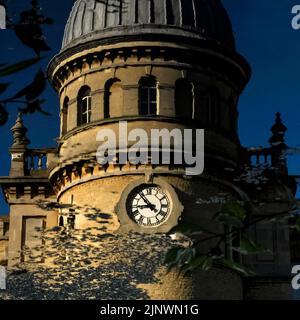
[[148, 205]]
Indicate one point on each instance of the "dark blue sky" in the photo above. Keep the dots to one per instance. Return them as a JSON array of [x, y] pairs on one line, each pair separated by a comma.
[[264, 36]]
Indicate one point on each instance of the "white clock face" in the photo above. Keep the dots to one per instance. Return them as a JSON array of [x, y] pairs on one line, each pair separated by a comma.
[[148, 205]]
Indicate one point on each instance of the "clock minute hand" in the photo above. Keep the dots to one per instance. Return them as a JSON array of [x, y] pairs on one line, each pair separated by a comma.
[[149, 204], [146, 200]]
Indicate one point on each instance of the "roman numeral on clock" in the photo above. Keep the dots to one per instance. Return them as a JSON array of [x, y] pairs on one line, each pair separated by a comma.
[[148, 191], [163, 214], [162, 197], [135, 213], [140, 220]]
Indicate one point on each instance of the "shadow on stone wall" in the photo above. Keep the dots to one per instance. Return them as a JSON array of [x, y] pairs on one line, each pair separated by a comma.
[[87, 264]]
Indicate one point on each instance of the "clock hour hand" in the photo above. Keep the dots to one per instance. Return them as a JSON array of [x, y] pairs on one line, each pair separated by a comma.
[[143, 206], [149, 204]]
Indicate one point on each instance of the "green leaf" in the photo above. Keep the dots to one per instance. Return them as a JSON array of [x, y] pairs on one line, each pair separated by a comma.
[[236, 267], [171, 255], [233, 214], [198, 262], [207, 264], [235, 210], [3, 87], [13, 68], [248, 247], [34, 89], [188, 229], [186, 257], [179, 257], [230, 220]]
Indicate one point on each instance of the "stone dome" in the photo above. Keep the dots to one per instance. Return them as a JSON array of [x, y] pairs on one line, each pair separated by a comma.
[[92, 20]]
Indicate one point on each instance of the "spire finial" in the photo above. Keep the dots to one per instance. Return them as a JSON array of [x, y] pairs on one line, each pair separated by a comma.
[[19, 132], [278, 130], [278, 146]]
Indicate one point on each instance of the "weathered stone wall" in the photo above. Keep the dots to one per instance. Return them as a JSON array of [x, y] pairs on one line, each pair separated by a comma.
[[3, 250], [104, 195], [20, 232], [118, 266], [215, 284], [142, 59]]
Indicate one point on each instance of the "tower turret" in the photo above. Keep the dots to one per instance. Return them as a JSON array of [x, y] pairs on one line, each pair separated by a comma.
[[19, 147], [278, 145], [168, 66]]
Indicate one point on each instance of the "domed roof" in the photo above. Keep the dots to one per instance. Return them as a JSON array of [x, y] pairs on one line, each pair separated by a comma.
[[101, 19]]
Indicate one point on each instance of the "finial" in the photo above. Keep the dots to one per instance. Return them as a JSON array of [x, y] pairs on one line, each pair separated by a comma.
[[19, 132], [278, 130], [278, 146]]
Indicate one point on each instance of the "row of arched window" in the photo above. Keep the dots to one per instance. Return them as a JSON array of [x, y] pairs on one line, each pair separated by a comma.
[[208, 104]]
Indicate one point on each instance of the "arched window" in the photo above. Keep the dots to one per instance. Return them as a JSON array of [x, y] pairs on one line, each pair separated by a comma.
[[113, 98], [61, 221], [187, 13], [184, 99], [202, 107], [148, 96], [152, 12], [84, 106], [214, 108], [65, 116], [170, 12]]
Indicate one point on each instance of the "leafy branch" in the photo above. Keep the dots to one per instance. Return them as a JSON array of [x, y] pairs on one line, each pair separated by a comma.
[[29, 32], [235, 218]]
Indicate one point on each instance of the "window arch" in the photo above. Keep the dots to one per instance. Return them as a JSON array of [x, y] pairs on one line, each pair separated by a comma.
[[113, 97], [213, 102], [184, 99], [148, 96], [61, 221], [84, 106], [152, 12], [187, 13], [65, 110], [170, 12]]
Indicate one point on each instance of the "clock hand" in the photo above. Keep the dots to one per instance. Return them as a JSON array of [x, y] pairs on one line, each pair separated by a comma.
[[149, 204], [145, 199]]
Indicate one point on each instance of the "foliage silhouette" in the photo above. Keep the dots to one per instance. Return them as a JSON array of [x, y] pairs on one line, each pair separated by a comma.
[[28, 30]]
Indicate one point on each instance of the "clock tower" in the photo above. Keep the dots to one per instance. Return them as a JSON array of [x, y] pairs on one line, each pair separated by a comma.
[[156, 65], [160, 65]]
